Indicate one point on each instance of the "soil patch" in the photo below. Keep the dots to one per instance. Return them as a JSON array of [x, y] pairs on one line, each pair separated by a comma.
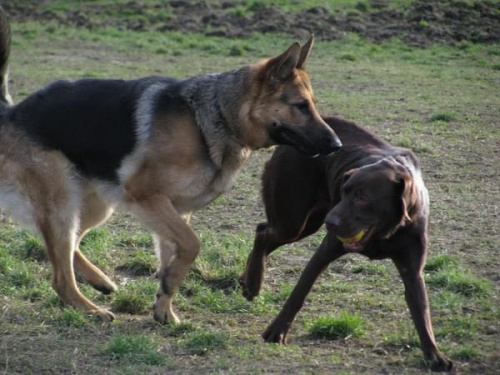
[[423, 22]]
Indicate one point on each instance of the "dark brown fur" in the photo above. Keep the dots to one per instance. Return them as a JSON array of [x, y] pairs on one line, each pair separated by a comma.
[[369, 185]]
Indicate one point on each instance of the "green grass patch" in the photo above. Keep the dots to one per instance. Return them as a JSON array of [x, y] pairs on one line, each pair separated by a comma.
[[202, 297], [70, 317], [413, 144], [443, 116], [461, 327], [135, 298], [134, 349], [221, 260], [461, 282], [337, 327], [140, 263], [201, 343], [179, 329], [35, 249], [404, 337], [370, 269], [465, 353], [440, 262], [21, 276]]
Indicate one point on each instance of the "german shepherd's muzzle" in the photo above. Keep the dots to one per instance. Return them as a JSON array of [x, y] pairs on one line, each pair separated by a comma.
[[311, 141]]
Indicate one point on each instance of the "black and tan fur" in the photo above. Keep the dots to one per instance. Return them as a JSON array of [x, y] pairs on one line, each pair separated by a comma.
[[158, 147]]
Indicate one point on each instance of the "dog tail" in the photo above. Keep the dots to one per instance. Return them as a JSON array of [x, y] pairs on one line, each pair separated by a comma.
[[5, 98]]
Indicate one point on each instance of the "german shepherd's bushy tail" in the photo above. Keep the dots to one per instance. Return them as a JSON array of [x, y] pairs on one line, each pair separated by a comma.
[[5, 98]]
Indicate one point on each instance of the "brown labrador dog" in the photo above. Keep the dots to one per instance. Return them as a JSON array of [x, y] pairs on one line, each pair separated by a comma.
[[371, 197]]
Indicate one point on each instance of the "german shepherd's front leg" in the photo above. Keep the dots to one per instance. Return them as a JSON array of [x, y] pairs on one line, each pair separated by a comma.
[[177, 245]]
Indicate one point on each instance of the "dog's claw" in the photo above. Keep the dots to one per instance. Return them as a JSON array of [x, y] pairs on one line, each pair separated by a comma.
[[163, 318], [441, 363], [103, 314], [248, 289], [272, 334], [106, 289]]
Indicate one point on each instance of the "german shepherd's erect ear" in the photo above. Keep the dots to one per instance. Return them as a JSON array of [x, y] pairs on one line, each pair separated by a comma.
[[305, 51], [282, 66]]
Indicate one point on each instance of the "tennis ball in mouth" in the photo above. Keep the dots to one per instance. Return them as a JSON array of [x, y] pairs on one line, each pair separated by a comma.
[[354, 239]]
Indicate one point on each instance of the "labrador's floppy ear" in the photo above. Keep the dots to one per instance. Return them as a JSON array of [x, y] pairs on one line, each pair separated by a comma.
[[282, 66], [348, 174], [408, 196], [305, 51]]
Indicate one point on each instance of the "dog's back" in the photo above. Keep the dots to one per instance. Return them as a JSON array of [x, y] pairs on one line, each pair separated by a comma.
[[90, 121]]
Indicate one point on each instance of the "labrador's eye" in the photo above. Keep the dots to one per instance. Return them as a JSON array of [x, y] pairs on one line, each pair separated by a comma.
[[361, 199]]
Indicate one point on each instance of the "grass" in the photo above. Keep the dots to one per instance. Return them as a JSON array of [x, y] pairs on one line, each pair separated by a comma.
[[440, 262], [135, 298], [443, 116], [407, 95], [70, 317], [341, 327], [201, 343], [459, 327], [462, 282], [465, 353], [370, 269], [140, 263], [134, 349]]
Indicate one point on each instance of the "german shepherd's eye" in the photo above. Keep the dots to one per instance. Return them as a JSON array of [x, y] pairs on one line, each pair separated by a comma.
[[302, 106]]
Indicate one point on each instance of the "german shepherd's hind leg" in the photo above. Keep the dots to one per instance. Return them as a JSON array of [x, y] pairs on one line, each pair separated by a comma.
[[177, 246], [94, 212], [60, 244], [58, 196]]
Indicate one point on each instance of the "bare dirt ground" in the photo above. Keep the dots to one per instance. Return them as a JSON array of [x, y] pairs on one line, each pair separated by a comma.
[[421, 23]]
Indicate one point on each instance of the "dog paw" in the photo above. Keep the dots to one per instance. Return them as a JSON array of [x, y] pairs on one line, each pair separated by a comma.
[[440, 363], [106, 288], [164, 317], [275, 334], [103, 314], [249, 289]]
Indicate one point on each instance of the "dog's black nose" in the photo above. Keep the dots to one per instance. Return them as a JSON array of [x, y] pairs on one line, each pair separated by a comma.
[[332, 145], [332, 222], [335, 144]]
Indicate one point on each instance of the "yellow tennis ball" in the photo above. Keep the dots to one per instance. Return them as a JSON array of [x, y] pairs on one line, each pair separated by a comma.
[[353, 239]]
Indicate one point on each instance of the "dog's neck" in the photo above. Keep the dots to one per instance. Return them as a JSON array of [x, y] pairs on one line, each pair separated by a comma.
[[213, 99]]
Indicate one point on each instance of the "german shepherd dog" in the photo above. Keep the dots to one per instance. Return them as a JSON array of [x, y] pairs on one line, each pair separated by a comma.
[[160, 147], [373, 200]]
